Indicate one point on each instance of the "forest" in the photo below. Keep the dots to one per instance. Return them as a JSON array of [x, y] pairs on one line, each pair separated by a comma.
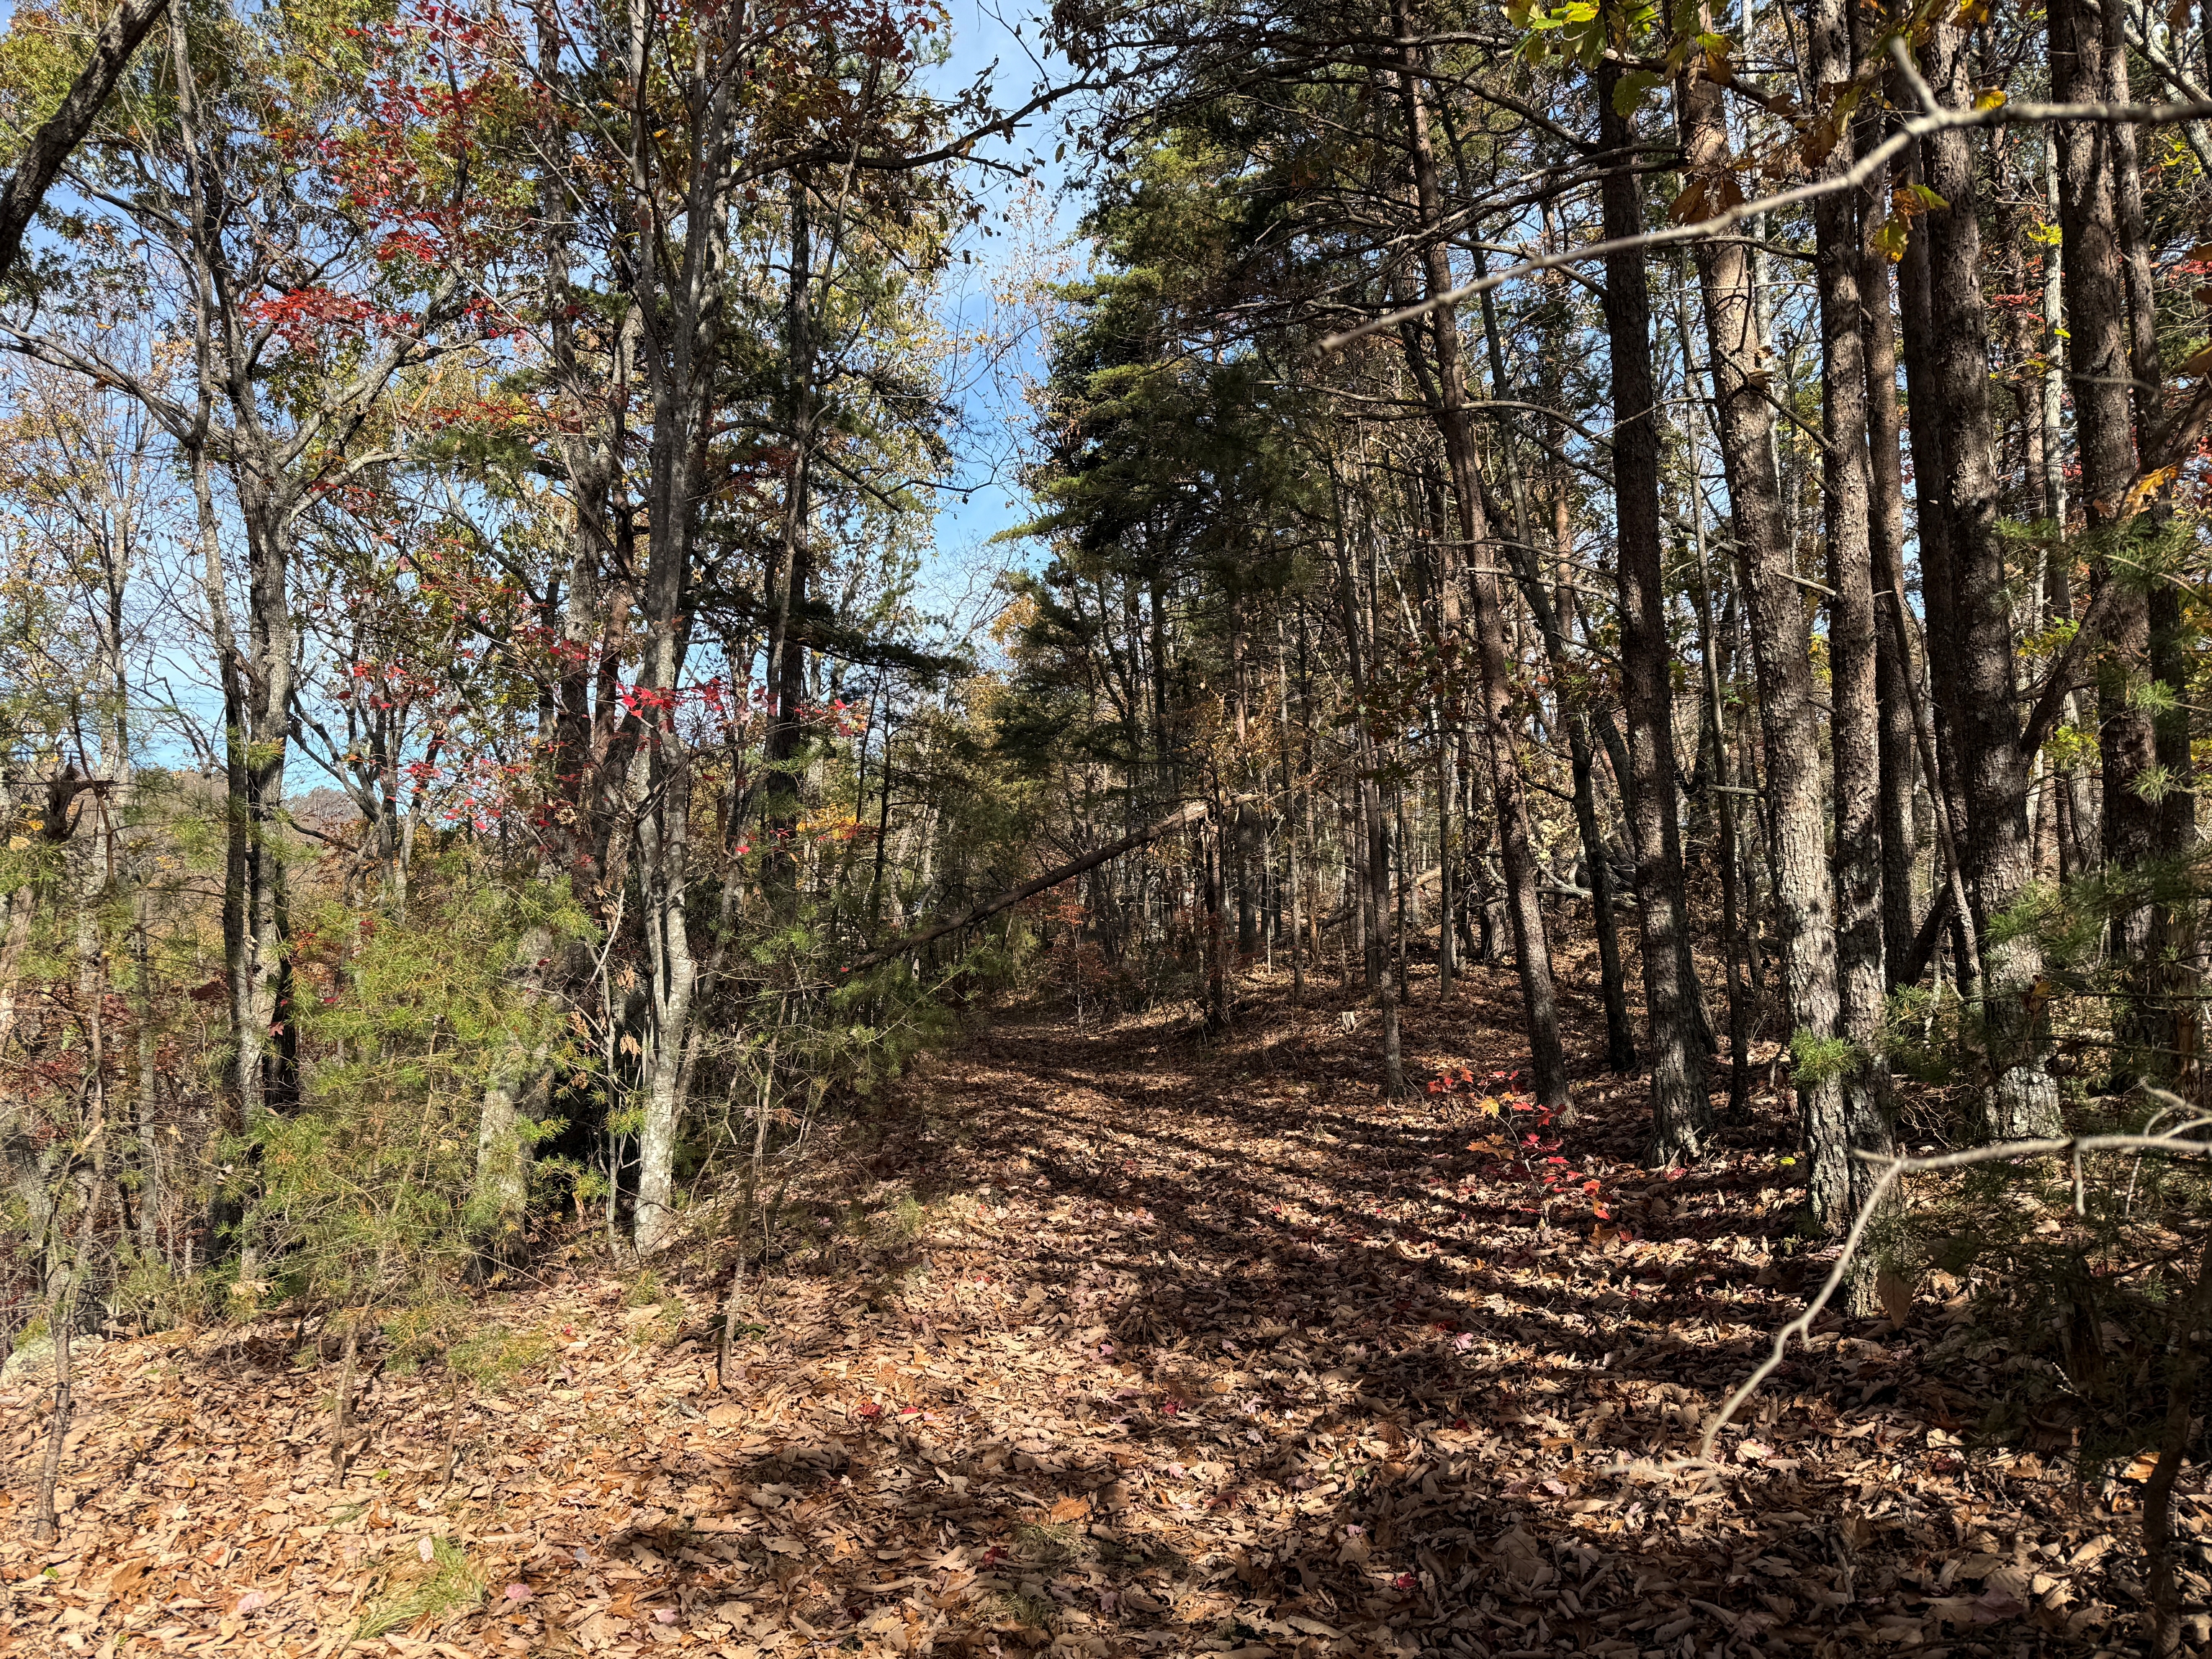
[[1512, 964]]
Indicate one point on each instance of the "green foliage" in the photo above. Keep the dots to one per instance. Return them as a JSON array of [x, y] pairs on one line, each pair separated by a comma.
[[424, 1329], [44, 48], [1923, 1034], [495, 1356], [159, 1297], [1815, 1060], [363, 1194]]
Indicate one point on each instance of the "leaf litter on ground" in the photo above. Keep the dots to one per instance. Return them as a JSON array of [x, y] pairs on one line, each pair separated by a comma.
[[1145, 1345]]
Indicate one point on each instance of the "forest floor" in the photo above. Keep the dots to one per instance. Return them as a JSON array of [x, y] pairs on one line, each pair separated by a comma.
[[1112, 1341]]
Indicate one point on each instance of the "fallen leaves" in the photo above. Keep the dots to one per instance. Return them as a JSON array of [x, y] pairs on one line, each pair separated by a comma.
[[1215, 1350]]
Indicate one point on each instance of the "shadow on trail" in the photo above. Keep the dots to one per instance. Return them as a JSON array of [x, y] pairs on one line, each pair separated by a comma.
[[1114, 1342], [1222, 1349]]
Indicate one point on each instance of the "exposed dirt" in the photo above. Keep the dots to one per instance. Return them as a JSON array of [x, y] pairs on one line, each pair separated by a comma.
[[1107, 1340]]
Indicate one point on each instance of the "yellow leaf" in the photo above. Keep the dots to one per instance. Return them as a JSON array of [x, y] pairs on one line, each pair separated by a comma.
[[1989, 98], [2148, 486]]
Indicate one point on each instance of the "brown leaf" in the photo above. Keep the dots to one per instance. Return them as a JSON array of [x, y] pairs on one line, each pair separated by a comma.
[[1689, 207], [128, 1577], [1896, 1293]]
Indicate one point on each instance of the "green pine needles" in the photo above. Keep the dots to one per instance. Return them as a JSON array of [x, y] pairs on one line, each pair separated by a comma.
[[373, 1191]]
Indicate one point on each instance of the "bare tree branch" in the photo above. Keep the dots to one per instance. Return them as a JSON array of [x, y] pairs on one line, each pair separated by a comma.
[[2175, 1139], [1851, 178]]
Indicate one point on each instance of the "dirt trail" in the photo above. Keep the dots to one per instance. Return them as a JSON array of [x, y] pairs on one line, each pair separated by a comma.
[[1114, 1342]]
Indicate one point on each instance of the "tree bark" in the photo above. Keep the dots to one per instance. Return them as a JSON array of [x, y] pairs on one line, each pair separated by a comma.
[[1841, 1180], [62, 1316], [1375, 862], [1555, 620], [1681, 1113], [1524, 907], [1999, 854], [676, 260], [1780, 640], [1712, 741], [1894, 665], [2165, 1013], [2183, 1365], [1932, 524], [2100, 371]]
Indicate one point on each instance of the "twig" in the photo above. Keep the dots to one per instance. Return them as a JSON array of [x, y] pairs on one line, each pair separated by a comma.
[[1851, 178], [2001, 1152]]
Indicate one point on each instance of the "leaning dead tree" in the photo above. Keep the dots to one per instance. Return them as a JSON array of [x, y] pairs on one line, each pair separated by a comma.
[[1182, 817]]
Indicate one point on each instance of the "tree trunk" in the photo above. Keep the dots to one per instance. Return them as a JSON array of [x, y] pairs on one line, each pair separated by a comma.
[[1781, 643], [61, 1313], [152, 1198], [1999, 855], [675, 279], [2166, 1003], [2100, 370], [499, 1199], [1894, 665], [1292, 908], [1508, 791], [2186, 1334], [1713, 743], [1841, 1180], [786, 657], [1681, 1113], [1374, 863], [1556, 621]]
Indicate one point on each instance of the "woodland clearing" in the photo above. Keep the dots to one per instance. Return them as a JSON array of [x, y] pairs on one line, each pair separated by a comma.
[[1117, 1342]]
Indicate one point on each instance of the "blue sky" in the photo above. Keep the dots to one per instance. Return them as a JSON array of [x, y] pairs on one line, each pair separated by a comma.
[[982, 34]]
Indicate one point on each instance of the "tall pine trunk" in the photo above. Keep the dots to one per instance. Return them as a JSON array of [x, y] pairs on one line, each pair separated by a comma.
[[1713, 742], [1841, 1182], [1373, 854], [1781, 641], [1681, 1113], [1999, 851], [1509, 788], [1894, 665]]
